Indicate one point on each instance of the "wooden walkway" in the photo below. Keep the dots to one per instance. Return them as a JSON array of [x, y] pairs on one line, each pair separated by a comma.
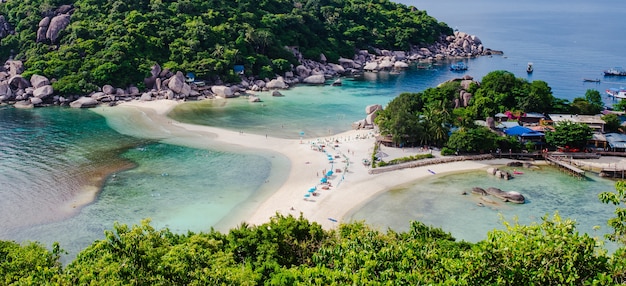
[[567, 166]]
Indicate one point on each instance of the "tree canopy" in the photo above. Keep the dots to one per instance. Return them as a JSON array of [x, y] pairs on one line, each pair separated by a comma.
[[293, 251], [116, 42], [569, 134]]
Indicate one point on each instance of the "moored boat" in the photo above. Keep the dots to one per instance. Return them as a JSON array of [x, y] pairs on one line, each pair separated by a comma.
[[615, 71], [529, 68], [591, 80], [460, 66], [617, 92]]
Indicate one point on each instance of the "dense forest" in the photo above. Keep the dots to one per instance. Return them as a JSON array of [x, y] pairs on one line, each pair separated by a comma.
[[116, 42], [294, 251]]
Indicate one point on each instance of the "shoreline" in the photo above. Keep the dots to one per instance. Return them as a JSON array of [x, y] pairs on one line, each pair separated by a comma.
[[351, 184]]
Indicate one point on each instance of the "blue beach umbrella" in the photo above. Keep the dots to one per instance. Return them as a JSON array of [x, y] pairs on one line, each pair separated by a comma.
[[311, 190], [324, 180], [307, 195], [329, 173]]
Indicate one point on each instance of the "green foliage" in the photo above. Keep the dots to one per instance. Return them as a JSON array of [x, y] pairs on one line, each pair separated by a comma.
[[620, 106], [293, 251], [618, 223], [110, 42], [500, 91], [612, 122], [405, 159], [474, 140], [417, 119], [29, 264], [569, 134], [550, 253]]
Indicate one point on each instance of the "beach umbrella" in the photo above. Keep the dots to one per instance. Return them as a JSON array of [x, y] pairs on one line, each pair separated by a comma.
[[307, 195], [329, 173], [311, 190], [324, 180]]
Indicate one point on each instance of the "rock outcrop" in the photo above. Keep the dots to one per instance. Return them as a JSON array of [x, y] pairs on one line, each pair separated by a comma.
[[512, 196], [368, 122], [53, 23]]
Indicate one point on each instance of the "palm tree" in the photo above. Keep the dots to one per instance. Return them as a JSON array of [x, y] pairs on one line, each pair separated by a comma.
[[436, 119]]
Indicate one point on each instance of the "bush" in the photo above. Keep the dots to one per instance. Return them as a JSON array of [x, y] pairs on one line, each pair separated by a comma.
[[445, 151]]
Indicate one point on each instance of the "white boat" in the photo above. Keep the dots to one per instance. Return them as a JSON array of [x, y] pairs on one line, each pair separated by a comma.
[[615, 71], [617, 92]]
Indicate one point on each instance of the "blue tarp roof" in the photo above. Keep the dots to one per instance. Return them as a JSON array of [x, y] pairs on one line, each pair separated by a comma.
[[616, 140], [522, 131]]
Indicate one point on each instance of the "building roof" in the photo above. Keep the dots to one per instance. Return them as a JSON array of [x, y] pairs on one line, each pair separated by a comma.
[[533, 115], [522, 132], [616, 140], [588, 119], [507, 124]]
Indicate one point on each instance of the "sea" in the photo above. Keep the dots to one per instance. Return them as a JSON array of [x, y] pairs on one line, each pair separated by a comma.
[[68, 175]]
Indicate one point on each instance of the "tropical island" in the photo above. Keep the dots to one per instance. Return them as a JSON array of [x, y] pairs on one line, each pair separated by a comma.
[[120, 51], [288, 249]]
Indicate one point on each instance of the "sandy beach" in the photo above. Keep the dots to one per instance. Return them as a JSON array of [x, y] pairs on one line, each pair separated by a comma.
[[349, 186]]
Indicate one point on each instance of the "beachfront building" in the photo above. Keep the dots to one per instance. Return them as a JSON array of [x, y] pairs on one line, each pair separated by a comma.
[[595, 122], [525, 135], [616, 142]]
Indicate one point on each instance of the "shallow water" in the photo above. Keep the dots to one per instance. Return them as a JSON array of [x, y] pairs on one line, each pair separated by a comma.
[[438, 201]]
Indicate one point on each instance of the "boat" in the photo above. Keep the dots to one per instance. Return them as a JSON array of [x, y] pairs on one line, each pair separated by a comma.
[[617, 92], [615, 71], [529, 68], [591, 80], [460, 66]]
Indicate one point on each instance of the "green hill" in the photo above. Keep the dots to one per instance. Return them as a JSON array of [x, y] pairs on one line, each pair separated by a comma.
[[116, 42]]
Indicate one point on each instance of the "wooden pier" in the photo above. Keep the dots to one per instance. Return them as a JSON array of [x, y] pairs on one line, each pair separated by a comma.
[[565, 165], [613, 173]]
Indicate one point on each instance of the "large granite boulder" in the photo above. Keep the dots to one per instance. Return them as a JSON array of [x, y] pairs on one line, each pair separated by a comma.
[[373, 108], [371, 66], [65, 9], [400, 65], [337, 69], [177, 83], [348, 63], [146, 96], [315, 79], [385, 64], [222, 91], [84, 102], [5, 90], [43, 28], [43, 91], [303, 71], [37, 81], [278, 83], [5, 27], [369, 119], [18, 82], [36, 100], [108, 89], [57, 24], [14, 67]]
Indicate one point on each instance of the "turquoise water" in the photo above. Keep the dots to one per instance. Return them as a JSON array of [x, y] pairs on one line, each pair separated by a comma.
[[438, 201], [49, 155]]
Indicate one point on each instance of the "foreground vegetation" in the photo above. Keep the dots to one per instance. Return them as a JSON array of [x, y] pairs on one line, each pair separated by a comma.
[[116, 42], [294, 251]]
